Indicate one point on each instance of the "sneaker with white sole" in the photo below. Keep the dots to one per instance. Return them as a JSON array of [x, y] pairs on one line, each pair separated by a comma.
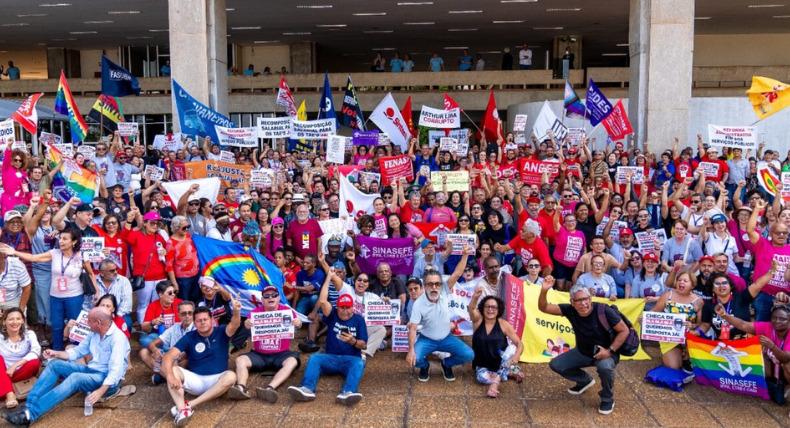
[[267, 394], [606, 408], [174, 411], [579, 388], [301, 393], [183, 416], [349, 398]]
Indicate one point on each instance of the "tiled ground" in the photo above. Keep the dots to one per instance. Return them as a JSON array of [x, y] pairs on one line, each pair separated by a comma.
[[394, 398]]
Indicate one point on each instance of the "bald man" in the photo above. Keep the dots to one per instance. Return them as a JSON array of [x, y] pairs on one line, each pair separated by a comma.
[[102, 377]]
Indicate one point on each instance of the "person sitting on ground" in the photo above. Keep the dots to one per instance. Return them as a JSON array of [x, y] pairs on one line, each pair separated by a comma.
[[207, 375], [161, 314], [347, 337], [267, 354], [681, 300], [152, 354], [19, 354]]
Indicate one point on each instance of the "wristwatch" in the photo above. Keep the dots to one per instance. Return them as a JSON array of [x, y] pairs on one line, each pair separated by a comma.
[[612, 350]]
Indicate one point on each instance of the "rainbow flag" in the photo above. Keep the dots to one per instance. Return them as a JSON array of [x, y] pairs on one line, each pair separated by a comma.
[[65, 104], [734, 366], [72, 179]]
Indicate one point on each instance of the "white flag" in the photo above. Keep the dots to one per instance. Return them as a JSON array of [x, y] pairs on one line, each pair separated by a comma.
[[354, 203], [209, 188], [387, 117], [547, 121]]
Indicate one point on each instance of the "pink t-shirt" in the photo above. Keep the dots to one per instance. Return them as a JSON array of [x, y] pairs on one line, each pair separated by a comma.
[[440, 215], [569, 247], [767, 252], [764, 328], [272, 346]]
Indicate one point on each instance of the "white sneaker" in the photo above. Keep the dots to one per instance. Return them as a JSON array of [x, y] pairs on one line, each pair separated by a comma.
[[173, 411], [349, 398], [183, 416], [301, 393], [441, 354]]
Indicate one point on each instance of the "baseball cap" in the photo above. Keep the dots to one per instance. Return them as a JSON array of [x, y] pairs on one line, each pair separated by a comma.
[[650, 256], [626, 231], [706, 258], [345, 301], [533, 200], [152, 216], [718, 218], [206, 281], [334, 241], [414, 280], [277, 220], [338, 265], [12, 214], [269, 288], [81, 208], [193, 197]]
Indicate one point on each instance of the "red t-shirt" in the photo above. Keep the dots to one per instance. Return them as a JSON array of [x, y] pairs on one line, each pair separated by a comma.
[[546, 222], [411, 215], [536, 250], [305, 238], [170, 315], [685, 169]]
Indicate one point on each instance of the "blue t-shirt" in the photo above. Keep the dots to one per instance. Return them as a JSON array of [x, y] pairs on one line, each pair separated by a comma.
[[356, 326], [206, 355], [13, 73], [465, 63], [396, 65], [436, 64], [316, 279]]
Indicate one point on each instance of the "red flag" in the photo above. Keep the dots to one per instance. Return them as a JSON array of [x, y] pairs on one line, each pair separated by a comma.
[[450, 103], [26, 115], [285, 98], [490, 124], [406, 113], [617, 124]]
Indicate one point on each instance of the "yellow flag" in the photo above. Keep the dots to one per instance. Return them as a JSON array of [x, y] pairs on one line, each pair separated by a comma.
[[301, 112], [768, 96]]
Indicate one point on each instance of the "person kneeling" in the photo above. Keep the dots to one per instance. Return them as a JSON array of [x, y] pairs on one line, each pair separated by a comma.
[[347, 336], [207, 374], [266, 354]]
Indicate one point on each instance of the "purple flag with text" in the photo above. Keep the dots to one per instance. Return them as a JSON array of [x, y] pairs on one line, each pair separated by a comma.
[[598, 106], [397, 252]]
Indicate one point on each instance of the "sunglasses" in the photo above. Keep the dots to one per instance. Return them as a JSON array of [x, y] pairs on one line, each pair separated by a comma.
[[533, 266], [270, 295], [186, 313], [278, 225], [17, 160], [362, 279], [196, 203], [170, 293]]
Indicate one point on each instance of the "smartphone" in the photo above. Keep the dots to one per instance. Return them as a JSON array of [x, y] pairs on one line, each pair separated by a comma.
[[342, 329]]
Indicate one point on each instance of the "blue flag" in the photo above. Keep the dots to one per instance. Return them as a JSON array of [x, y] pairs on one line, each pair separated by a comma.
[[598, 107], [197, 118], [116, 80], [351, 112], [241, 270], [326, 107]]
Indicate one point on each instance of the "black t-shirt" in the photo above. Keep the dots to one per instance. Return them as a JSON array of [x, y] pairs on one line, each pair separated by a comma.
[[738, 306], [588, 330], [221, 311], [88, 232], [588, 228], [392, 291], [501, 236]]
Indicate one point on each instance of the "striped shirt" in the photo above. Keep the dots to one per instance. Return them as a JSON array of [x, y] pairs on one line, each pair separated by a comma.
[[12, 279]]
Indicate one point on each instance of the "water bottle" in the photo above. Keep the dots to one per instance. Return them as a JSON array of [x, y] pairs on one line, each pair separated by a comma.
[[88, 407]]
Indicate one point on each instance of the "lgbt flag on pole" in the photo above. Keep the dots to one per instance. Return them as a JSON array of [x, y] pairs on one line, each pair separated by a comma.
[[733, 366]]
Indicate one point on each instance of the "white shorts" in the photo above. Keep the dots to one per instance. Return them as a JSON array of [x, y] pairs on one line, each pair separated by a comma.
[[196, 384]]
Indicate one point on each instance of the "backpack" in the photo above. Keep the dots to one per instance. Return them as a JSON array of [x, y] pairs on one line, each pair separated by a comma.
[[631, 344]]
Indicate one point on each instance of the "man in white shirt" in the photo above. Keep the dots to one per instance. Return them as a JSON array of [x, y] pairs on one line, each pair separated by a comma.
[[525, 58]]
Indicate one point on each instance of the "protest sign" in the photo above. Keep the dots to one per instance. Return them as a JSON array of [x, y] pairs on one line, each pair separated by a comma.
[[313, 129], [270, 325], [520, 123], [462, 148], [732, 366], [384, 140], [168, 143], [547, 124], [334, 226], [7, 132], [532, 171], [647, 240], [365, 138], [664, 327], [710, 169], [459, 240], [153, 173], [575, 136], [737, 137], [456, 180], [398, 252], [448, 144], [622, 172], [785, 192], [520, 139], [230, 174], [47, 138], [81, 329], [21, 145], [436, 232], [400, 338], [274, 127], [92, 249], [336, 149], [460, 324], [614, 233], [128, 129], [66, 149], [379, 312], [262, 177], [436, 118], [365, 178], [237, 137], [460, 135], [393, 168], [226, 156], [89, 152]]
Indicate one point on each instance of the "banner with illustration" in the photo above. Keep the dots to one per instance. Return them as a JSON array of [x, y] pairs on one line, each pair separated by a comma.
[[733, 366]]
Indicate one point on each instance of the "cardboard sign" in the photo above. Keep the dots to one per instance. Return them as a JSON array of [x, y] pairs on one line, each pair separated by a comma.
[[394, 168], [21, 145], [47, 138], [67, 149], [237, 137], [614, 233], [262, 177], [313, 129], [436, 118], [400, 338], [622, 172], [154, 173], [378, 312], [647, 240], [435, 135], [128, 129], [365, 178], [785, 189], [171, 144], [575, 136], [274, 127], [710, 169], [458, 240], [456, 180], [272, 325], [336, 149], [664, 327], [7, 132], [448, 144], [520, 123], [226, 156], [81, 330], [92, 249], [737, 137], [88, 151]]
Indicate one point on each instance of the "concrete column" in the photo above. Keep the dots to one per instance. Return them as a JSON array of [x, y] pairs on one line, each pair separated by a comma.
[[198, 51], [661, 39], [303, 58]]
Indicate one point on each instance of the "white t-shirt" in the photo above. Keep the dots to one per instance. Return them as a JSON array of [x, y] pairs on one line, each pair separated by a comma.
[[726, 245], [525, 57], [12, 279]]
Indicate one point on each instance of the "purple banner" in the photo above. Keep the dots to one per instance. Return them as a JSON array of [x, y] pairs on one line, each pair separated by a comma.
[[398, 252], [365, 138]]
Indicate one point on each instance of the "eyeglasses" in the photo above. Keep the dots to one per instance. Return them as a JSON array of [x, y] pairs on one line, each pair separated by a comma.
[[362, 279], [186, 313], [170, 293], [696, 201], [287, 199], [597, 263], [271, 295], [533, 266], [721, 283], [465, 220], [487, 307], [433, 284], [780, 233], [265, 199], [324, 209], [643, 216], [567, 196], [17, 159], [580, 300]]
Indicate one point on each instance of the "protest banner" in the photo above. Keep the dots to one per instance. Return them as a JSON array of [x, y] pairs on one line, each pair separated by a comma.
[[392, 168], [622, 172], [617, 124], [456, 180], [88, 151], [546, 336], [511, 291], [737, 137], [460, 135], [261, 177], [21, 145], [365, 178], [520, 123], [520, 139], [274, 127], [92, 249], [334, 226], [365, 138], [47, 138], [128, 129], [436, 232], [664, 327], [398, 252], [400, 338], [228, 173], [7, 132], [575, 136], [226, 156], [448, 144], [443, 119], [271, 325], [460, 324], [336, 149], [379, 312], [647, 240], [710, 169], [614, 233], [532, 171], [81, 329], [459, 240], [732, 366], [313, 129], [153, 173], [237, 137]]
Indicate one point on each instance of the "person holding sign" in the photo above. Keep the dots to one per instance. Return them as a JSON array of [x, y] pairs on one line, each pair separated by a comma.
[[736, 303], [346, 337], [266, 354], [569, 249], [681, 300]]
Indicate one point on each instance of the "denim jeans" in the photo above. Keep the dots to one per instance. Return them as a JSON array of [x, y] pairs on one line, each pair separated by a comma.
[[43, 283], [306, 303], [188, 288], [62, 309], [762, 307], [460, 352], [147, 338], [76, 378], [569, 365], [349, 366]]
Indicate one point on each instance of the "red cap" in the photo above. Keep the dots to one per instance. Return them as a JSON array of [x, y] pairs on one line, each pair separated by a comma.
[[626, 231], [345, 301], [706, 258], [650, 256], [572, 150], [533, 200]]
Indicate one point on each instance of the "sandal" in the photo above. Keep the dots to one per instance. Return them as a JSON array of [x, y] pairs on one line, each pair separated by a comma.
[[492, 393], [238, 392]]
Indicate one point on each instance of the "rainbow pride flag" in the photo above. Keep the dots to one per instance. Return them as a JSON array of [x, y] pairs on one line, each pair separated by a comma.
[[65, 104], [733, 366], [72, 179]]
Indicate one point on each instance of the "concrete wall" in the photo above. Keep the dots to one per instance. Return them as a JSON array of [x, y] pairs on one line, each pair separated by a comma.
[[90, 60], [261, 56], [741, 49], [31, 63]]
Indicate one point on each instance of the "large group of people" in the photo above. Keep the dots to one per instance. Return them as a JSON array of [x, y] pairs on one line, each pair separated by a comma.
[[724, 258]]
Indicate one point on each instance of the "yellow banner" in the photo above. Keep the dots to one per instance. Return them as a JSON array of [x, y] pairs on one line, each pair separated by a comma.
[[546, 336], [768, 96], [456, 180], [232, 175]]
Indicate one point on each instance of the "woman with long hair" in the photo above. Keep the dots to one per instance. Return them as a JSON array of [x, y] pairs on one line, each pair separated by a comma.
[[19, 354], [118, 250], [15, 179], [680, 300], [275, 239]]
